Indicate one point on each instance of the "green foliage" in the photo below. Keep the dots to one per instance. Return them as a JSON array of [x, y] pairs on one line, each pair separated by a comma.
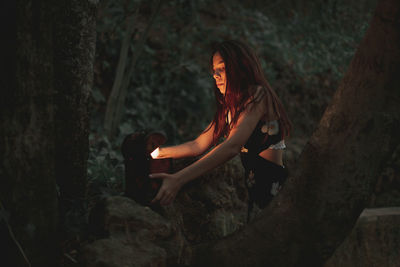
[[304, 51], [105, 169]]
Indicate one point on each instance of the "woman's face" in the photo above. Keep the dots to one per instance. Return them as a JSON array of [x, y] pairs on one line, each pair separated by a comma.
[[219, 72]]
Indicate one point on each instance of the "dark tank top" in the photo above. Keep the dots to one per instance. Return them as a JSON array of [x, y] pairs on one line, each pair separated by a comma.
[[264, 135], [260, 139]]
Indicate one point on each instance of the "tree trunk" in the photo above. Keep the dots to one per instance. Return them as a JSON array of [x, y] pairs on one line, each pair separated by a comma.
[[74, 40], [28, 188], [338, 168], [43, 120]]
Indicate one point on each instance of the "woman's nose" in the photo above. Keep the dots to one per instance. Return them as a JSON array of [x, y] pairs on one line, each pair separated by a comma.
[[217, 75]]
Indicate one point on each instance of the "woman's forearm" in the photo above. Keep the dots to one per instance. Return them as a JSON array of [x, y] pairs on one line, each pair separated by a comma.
[[188, 149], [211, 160], [191, 148]]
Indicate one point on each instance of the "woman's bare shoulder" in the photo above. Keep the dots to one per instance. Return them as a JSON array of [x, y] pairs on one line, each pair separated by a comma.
[[261, 97], [255, 101], [259, 93]]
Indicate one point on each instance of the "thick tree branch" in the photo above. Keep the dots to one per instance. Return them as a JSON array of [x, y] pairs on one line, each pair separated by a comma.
[[338, 168], [112, 103], [116, 100]]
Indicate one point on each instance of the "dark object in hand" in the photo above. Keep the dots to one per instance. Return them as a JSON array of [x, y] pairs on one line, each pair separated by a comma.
[[136, 149]]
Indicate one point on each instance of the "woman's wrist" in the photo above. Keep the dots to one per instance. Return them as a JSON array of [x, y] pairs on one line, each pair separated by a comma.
[[180, 178]]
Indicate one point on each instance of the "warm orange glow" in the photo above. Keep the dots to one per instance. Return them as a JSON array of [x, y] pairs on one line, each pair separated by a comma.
[[155, 153]]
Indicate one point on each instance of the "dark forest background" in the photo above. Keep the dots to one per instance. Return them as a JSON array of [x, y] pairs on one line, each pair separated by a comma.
[[150, 71], [305, 48]]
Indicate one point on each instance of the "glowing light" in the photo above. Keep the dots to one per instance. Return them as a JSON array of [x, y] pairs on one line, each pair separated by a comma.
[[155, 153]]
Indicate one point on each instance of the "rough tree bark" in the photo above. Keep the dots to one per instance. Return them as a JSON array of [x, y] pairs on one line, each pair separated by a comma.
[[74, 49], [338, 167], [28, 188], [43, 120]]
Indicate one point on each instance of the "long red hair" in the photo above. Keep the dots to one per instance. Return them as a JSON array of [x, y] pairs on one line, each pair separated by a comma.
[[243, 75]]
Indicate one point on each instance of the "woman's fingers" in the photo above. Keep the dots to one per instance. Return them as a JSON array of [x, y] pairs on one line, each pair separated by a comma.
[[159, 196], [167, 200], [163, 198], [163, 202], [168, 190]]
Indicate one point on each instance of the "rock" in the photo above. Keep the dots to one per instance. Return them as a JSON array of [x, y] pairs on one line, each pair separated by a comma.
[[211, 206], [120, 252], [129, 234], [374, 241], [134, 236], [123, 216], [387, 189]]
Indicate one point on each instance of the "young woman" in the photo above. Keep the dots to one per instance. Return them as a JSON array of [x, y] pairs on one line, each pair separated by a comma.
[[250, 117]]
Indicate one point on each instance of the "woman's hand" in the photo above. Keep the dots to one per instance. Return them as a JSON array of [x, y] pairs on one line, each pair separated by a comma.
[[169, 188]]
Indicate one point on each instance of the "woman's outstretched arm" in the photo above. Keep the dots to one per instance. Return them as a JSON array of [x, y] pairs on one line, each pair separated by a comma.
[[220, 154], [191, 148]]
